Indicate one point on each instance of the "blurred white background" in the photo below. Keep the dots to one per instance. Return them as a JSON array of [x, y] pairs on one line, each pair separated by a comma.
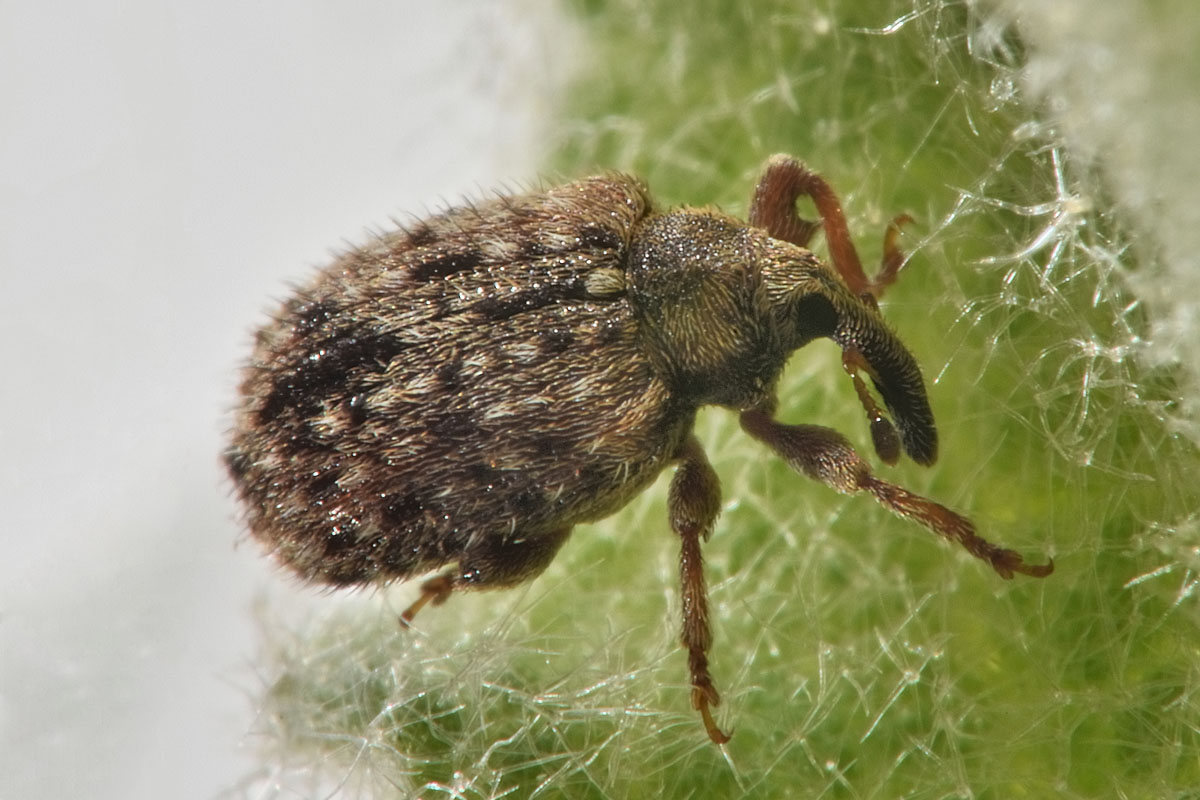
[[165, 169]]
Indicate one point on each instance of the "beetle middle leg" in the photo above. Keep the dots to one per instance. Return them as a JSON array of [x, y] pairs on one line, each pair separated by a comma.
[[493, 563], [826, 456], [693, 504]]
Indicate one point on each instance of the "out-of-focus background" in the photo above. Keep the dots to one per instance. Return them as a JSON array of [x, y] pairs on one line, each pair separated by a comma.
[[165, 168], [165, 172]]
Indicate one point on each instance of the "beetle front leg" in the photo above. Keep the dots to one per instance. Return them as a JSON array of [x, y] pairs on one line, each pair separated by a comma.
[[826, 456], [783, 182], [773, 208], [693, 504]]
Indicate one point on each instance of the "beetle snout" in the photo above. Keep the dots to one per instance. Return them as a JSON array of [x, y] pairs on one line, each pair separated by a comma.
[[896, 377]]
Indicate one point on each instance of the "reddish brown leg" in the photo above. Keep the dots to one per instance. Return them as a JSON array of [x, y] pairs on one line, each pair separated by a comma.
[[435, 590], [773, 207], [883, 433], [493, 562], [693, 504], [825, 455], [783, 182], [893, 256]]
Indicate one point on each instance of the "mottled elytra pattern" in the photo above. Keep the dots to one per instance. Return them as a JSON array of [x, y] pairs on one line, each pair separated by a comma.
[[458, 395]]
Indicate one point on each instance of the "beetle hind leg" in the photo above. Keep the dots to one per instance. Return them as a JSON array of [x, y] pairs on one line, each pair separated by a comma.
[[435, 590], [495, 562]]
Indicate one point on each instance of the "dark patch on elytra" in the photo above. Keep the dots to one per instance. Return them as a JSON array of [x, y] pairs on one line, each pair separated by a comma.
[[356, 409], [555, 341], [399, 558], [454, 425], [343, 564], [446, 264], [609, 334], [304, 438], [449, 376], [545, 448], [285, 394], [326, 370], [496, 309], [346, 573], [485, 474], [533, 247], [312, 315], [342, 536], [599, 238], [324, 486], [527, 502], [400, 511]]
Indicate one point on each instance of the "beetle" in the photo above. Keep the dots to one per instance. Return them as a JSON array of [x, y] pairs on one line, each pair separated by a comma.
[[458, 393]]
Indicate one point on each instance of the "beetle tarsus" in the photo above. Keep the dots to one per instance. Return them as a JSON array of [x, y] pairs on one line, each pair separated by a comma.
[[702, 699], [883, 433], [893, 256], [693, 504]]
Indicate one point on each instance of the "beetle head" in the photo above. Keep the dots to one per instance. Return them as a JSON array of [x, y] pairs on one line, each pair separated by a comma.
[[812, 301]]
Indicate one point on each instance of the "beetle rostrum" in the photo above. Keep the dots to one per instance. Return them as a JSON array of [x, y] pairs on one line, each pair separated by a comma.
[[458, 394]]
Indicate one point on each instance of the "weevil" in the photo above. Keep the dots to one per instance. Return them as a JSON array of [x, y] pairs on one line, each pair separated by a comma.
[[459, 393]]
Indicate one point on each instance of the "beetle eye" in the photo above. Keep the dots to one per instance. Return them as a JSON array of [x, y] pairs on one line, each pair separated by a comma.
[[815, 317]]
